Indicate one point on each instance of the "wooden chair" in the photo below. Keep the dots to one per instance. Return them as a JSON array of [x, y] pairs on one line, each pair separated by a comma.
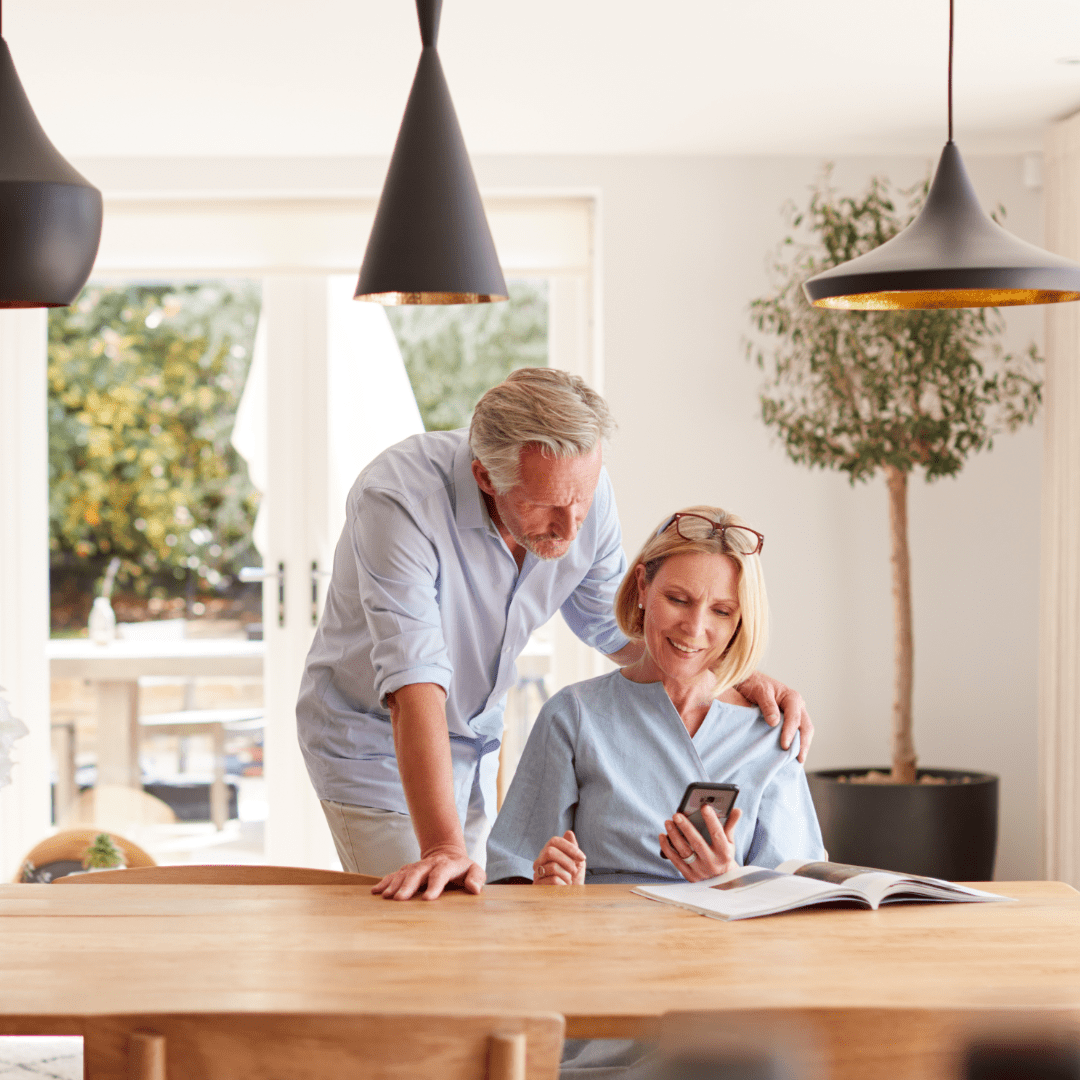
[[216, 723], [69, 845], [320, 1047], [857, 1043], [113, 807], [219, 874]]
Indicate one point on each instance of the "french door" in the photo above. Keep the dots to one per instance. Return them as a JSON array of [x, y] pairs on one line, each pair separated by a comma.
[[327, 383]]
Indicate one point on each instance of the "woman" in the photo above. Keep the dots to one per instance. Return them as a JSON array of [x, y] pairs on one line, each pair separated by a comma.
[[608, 759]]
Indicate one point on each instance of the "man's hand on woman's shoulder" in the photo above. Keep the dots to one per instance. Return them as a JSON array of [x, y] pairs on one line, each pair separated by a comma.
[[773, 698], [436, 870], [561, 862]]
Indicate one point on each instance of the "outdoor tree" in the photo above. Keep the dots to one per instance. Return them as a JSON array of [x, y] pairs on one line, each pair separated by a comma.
[[144, 381], [882, 391], [454, 353]]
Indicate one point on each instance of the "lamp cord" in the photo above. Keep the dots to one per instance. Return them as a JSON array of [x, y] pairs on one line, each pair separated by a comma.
[[951, 5]]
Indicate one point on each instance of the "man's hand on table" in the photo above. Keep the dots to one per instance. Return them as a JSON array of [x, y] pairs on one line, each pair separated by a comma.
[[773, 698], [437, 869]]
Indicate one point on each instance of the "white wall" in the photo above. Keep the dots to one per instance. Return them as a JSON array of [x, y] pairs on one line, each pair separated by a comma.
[[685, 244]]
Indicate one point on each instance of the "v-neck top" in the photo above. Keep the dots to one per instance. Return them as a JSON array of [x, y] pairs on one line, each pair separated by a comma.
[[610, 759]]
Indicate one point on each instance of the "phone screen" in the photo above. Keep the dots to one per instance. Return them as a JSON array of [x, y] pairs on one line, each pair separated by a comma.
[[721, 797]]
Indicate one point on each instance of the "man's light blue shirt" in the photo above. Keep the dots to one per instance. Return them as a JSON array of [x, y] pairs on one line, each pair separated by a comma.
[[424, 589], [610, 759]]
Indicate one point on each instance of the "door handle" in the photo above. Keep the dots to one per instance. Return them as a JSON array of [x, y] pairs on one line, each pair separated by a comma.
[[250, 574], [316, 573]]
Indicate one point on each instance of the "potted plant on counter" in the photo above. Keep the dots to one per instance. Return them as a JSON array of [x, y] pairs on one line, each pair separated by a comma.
[[103, 854], [890, 393]]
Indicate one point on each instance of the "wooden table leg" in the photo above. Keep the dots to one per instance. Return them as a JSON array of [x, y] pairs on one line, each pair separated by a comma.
[[63, 748], [118, 733], [219, 806]]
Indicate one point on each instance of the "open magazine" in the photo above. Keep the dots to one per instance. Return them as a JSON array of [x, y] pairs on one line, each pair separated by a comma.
[[749, 891]]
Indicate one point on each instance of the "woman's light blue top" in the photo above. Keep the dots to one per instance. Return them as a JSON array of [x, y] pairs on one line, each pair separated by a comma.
[[610, 759]]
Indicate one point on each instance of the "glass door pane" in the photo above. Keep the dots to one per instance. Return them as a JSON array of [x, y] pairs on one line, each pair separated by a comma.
[[157, 726]]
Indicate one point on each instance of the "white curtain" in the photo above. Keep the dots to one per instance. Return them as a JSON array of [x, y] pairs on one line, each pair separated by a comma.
[[1059, 675], [370, 403]]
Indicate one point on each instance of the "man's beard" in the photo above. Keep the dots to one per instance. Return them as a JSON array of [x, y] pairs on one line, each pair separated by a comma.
[[548, 547]]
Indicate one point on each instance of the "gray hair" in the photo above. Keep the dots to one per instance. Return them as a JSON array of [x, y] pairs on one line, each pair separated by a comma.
[[536, 406]]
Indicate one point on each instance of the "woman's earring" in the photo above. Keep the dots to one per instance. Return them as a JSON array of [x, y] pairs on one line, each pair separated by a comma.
[[641, 605]]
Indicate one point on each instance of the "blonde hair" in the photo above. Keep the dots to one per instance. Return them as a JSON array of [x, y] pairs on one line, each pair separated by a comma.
[[744, 651], [536, 406]]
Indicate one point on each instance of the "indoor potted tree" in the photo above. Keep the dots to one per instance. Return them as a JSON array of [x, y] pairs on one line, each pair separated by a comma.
[[889, 392]]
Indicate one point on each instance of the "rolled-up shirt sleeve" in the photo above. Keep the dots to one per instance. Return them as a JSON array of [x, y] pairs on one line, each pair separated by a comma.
[[589, 610], [398, 570]]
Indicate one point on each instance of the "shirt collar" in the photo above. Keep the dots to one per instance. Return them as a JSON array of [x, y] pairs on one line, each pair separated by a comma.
[[470, 512]]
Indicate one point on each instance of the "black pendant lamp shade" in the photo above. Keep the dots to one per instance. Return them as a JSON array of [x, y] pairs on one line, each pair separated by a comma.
[[953, 255], [50, 216], [430, 242]]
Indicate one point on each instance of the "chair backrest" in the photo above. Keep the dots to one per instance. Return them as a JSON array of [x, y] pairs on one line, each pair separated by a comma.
[[109, 807], [219, 874], [69, 845], [854, 1043], [322, 1047]]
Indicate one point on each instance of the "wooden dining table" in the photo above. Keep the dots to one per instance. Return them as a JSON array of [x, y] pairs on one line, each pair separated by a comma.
[[610, 961]]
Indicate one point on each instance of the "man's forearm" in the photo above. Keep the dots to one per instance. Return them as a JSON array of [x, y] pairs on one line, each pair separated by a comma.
[[628, 654], [422, 745]]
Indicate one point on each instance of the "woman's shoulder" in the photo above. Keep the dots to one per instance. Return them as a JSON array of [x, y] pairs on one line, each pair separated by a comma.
[[587, 691], [731, 696], [746, 724], [584, 700]]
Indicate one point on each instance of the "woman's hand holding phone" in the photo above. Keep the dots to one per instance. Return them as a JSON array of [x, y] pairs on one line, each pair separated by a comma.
[[682, 842], [561, 862]]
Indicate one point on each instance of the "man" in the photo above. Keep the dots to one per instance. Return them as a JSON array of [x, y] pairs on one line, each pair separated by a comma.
[[456, 547]]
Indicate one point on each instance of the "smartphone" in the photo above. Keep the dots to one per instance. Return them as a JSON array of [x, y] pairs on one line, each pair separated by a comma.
[[721, 797]]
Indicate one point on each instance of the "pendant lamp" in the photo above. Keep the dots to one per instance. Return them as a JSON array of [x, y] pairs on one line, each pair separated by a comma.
[[50, 216], [430, 242], [953, 255]]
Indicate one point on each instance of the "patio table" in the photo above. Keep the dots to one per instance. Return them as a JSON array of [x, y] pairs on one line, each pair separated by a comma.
[[116, 667]]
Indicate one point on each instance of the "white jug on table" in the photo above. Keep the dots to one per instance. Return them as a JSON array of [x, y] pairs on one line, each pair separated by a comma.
[[102, 623]]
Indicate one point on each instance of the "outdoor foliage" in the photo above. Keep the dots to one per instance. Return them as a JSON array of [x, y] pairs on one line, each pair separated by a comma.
[[454, 353], [144, 381], [859, 390]]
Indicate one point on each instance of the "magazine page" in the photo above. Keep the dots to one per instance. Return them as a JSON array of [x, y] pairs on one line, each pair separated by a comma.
[[745, 892], [884, 886], [865, 880]]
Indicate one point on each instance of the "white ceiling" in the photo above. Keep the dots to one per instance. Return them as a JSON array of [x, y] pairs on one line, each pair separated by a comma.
[[330, 77]]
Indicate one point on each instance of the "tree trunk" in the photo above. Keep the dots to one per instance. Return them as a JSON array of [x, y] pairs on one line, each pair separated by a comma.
[[903, 748]]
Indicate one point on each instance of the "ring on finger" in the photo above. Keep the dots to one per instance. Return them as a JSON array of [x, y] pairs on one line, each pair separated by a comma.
[[541, 869], [692, 857]]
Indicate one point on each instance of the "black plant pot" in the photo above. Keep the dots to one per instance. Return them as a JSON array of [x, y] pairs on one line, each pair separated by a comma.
[[942, 830]]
